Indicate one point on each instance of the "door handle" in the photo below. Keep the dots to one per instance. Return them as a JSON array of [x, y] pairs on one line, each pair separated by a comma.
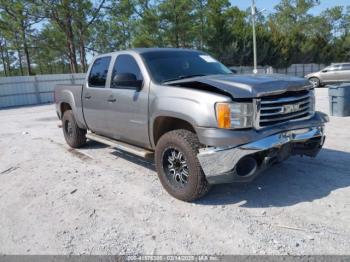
[[88, 96], [111, 99]]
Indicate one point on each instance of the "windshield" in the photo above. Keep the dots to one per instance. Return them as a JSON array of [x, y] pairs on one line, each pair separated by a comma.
[[173, 65]]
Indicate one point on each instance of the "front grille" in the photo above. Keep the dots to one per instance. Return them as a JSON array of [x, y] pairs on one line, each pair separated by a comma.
[[279, 109]]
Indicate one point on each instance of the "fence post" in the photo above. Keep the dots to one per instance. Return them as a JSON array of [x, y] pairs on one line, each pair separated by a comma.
[[37, 91], [303, 70], [270, 70], [72, 79]]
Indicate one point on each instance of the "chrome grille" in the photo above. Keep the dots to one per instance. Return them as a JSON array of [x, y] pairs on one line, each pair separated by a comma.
[[280, 109]]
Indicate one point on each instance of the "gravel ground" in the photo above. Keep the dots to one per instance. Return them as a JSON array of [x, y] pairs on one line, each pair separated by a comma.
[[54, 200]]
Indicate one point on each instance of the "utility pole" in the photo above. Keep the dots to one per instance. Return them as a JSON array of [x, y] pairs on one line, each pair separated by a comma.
[[255, 71]]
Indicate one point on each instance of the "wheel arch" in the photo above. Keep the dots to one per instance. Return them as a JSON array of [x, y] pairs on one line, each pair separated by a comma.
[[165, 124], [68, 101], [64, 106]]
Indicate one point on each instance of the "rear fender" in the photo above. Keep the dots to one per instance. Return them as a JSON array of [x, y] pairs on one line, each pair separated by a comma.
[[67, 97]]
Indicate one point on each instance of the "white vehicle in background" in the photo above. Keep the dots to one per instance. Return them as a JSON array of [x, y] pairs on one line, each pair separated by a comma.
[[335, 73]]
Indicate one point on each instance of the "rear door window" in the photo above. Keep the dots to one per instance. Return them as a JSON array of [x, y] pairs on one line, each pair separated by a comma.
[[99, 71]]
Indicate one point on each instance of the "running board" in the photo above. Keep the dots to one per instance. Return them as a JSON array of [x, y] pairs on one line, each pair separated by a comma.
[[138, 151]]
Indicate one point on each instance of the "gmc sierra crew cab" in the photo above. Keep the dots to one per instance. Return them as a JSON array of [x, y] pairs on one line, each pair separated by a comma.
[[202, 124]]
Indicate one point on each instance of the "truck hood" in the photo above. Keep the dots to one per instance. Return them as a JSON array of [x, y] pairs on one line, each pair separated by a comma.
[[245, 86]]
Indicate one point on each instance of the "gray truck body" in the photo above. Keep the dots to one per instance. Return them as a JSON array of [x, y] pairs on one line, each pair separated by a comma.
[[140, 117]]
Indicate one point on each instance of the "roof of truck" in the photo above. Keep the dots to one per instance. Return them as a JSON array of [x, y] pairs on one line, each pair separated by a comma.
[[151, 50], [156, 49]]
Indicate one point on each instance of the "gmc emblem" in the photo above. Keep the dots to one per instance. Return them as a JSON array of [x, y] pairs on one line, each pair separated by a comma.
[[290, 108]]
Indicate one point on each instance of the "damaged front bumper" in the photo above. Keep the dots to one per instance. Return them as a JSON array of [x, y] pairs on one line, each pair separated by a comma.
[[243, 163]]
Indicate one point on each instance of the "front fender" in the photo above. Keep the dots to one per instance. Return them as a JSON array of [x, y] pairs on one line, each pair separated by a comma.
[[184, 109], [195, 112], [197, 107]]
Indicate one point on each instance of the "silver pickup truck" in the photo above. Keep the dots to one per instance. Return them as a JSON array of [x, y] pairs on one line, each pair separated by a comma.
[[202, 124]]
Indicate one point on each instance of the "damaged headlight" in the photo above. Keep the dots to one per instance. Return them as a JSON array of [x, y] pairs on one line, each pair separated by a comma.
[[234, 115]]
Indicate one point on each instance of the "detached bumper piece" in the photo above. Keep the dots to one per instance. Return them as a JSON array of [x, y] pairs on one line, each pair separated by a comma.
[[245, 162]]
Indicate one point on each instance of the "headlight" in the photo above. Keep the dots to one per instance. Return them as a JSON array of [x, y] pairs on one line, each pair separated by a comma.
[[234, 115]]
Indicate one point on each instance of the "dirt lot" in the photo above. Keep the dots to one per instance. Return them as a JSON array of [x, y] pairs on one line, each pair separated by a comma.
[[54, 200]]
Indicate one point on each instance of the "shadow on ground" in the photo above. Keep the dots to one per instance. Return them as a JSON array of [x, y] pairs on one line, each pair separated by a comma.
[[147, 163], [129, 157], [92, 145]]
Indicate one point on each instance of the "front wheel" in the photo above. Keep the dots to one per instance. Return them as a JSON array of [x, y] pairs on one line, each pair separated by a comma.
[[177, 165], [315, 82]]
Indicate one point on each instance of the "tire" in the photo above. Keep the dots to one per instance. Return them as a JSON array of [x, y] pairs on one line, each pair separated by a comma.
[[167, 157], [315, 82], [74, 135]]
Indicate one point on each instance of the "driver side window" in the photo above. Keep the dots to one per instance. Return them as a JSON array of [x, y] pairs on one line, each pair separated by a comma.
[[125, 66]]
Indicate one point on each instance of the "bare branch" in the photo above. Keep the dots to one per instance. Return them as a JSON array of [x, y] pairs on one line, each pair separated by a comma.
[[96, 13]]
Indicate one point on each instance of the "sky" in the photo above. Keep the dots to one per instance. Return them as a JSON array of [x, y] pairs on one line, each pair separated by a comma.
[[269, 4]]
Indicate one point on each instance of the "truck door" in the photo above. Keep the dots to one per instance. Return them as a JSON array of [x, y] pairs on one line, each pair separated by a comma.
[[95, 95], [127, 112]]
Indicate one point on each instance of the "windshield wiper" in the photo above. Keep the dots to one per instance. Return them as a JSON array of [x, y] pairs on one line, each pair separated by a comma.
[[181, 77]]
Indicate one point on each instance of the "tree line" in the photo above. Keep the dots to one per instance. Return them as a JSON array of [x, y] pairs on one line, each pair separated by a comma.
[[60, 36]]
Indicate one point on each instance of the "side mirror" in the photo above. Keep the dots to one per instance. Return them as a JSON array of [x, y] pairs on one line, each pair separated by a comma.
[[324, 71], [127, 80]]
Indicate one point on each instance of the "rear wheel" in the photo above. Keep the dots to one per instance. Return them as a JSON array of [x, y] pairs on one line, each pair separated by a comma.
[[74, 135], [315, 82], [177, 165]]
